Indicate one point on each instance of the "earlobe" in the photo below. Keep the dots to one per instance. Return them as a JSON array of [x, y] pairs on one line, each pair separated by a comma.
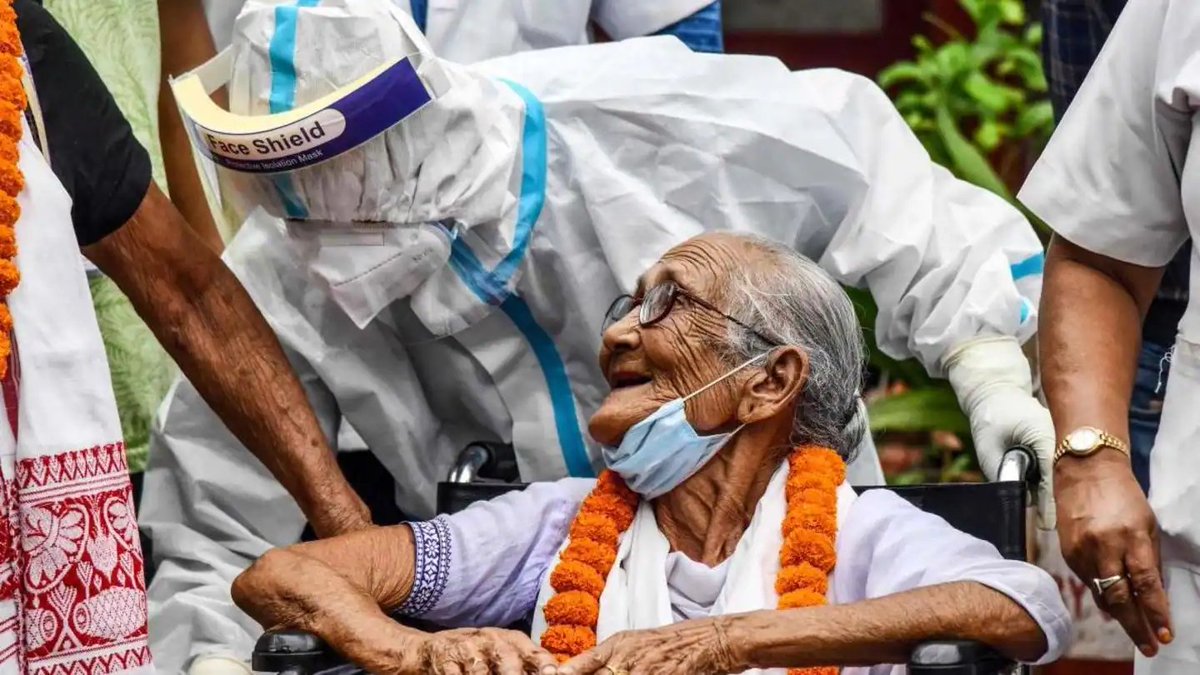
[[775, 387]]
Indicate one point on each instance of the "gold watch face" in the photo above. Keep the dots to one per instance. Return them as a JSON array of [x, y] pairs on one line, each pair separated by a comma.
[[1082, 441]]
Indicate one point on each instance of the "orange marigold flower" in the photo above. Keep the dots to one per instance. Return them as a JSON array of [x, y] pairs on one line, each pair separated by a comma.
[[11, 180], [6, 322], [801, 577], [806, 480], [596, 556], [810, 547], [573, 608], [8, 242], [570, 575], [801, 598], [8, 151], [813, 518], [594, 526], [611, 483], [825, 498], [10, 120], [814, 459], [10, 210], [9, 276], [568, 640], [607, 504]]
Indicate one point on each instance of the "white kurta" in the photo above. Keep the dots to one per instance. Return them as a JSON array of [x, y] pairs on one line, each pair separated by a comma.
[[1119, 179], [487, 566]]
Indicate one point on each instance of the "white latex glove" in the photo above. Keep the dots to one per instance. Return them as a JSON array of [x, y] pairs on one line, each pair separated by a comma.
[[219, 665], [992, 380]]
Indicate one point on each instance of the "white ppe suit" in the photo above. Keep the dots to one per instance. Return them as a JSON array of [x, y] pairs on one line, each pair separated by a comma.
[[449, 278], [466, 31]]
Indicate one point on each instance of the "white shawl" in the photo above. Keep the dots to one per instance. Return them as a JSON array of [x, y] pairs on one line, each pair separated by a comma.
[[640, 569], [72, 594]]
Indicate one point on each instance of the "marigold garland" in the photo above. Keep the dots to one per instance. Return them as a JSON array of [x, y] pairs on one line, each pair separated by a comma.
[[806, 558], [12, 106]]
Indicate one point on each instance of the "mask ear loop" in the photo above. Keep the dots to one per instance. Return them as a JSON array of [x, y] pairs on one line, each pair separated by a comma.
[[717, 381]]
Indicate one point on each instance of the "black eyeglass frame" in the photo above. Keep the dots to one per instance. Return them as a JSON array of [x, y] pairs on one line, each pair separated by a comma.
[[673, 292]]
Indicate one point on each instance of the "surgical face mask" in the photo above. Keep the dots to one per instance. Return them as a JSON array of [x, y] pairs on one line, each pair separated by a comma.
[[662, 451]]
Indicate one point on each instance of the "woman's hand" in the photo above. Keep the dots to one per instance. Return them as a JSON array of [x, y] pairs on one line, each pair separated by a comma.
[[471, 651], [697, 647]]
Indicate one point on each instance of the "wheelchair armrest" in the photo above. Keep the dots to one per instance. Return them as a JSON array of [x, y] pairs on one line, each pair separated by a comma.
[[292, 651], [957, 657]]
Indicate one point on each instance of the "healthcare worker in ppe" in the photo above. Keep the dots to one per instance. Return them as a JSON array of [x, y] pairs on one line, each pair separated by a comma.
[[1119, 184], [446, 281], [470, 31]]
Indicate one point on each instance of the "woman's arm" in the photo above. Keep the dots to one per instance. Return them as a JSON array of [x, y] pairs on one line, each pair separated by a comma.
[[883, 630], [339, 590]]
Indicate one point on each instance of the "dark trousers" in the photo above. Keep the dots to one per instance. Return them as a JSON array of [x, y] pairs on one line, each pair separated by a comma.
[[1145, 407]]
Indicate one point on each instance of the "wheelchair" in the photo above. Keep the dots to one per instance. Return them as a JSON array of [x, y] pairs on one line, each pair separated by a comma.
[[994, 512]]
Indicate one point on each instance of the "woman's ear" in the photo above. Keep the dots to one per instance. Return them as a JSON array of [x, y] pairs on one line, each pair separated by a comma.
[[775, 386]]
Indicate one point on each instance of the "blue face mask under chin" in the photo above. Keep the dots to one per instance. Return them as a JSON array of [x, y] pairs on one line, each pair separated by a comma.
[[662, 451]]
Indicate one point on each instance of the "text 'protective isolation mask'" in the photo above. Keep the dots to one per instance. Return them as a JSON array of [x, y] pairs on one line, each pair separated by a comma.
[[662, 451]]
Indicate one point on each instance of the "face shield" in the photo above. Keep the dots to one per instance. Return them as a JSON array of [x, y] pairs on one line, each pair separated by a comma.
[[339, 163]]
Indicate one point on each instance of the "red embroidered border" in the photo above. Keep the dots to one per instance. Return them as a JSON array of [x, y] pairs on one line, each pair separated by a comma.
[[83, 591], [121, 660]]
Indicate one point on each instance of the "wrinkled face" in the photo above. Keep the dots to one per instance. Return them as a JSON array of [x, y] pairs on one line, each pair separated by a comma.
[[653, 365]]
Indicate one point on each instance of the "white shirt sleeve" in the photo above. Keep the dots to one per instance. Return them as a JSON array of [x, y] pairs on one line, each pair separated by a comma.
[[888, 546], [622, 19], [483, 566], [1109, 180]]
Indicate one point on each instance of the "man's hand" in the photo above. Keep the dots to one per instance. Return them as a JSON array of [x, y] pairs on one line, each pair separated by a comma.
[[1107, 529], [207, 322], [995, 389]]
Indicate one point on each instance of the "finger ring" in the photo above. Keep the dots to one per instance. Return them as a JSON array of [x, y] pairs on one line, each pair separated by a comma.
[[1101, 585]]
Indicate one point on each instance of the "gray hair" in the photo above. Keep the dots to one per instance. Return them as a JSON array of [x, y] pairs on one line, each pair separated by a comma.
[[795, 302]]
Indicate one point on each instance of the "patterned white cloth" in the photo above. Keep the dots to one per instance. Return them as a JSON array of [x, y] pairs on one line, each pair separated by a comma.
[[72, 593]]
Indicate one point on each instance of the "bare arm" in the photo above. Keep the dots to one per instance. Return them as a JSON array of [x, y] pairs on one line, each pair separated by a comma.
[[886, 630], [210, 326], [882, 630], [186, 43], [1092, 311], [340, 589]]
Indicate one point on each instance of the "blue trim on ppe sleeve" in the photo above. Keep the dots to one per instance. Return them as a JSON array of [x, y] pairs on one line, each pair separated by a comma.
[[494, 284], [1031, 266], [566, 424], [1026, 310], [282, 53], [533, 182], [702, 31], [420, 12]]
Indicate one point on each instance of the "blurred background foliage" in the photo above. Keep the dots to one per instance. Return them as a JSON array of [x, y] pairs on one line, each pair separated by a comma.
[[978, 102]]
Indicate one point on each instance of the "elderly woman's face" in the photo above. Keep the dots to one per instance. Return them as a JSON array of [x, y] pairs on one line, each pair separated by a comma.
[[648, 367]]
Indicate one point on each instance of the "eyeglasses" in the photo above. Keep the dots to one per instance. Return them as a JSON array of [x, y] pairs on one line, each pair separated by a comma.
[[658, 303]]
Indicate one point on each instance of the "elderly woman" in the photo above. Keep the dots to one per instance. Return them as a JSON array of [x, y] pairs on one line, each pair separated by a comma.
[[723, 538]]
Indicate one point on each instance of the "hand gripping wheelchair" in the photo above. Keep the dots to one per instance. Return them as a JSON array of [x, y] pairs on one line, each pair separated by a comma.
[[994, 512]]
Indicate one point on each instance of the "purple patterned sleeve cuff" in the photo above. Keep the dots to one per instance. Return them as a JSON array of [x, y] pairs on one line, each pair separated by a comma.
[[433, 557]]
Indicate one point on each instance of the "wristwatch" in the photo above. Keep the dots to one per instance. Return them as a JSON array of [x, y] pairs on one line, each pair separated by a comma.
[[1086, 441]]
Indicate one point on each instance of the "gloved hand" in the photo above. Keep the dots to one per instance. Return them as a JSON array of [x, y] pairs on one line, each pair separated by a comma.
[[219, 665], [992, 380]]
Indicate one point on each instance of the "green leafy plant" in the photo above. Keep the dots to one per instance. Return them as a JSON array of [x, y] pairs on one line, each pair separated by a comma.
[[971, 98], [978, 104]]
